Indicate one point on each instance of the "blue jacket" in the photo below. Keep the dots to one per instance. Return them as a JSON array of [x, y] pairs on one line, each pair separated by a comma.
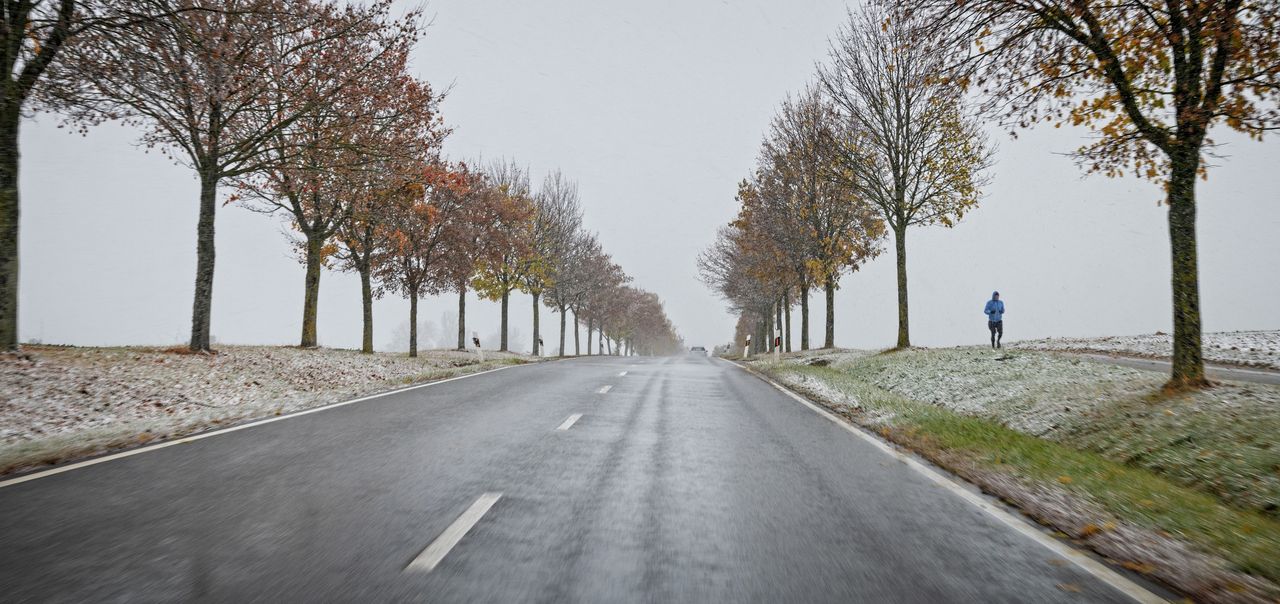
[[994, 310]]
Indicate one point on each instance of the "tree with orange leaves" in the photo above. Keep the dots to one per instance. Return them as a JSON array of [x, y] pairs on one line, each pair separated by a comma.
[[469, 230], [507, 252], [317, 171], [814, 193], [1150, 78], [411, 261]]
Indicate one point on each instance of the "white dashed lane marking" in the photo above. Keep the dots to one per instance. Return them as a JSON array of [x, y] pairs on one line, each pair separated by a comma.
[[568, 423], [430, 557]]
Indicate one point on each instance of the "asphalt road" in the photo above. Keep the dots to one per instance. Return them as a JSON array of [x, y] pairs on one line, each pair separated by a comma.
[[688, 480]]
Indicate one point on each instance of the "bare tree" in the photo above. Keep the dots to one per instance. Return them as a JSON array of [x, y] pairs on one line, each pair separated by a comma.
[[556, 220], [572, 268], [732, 267], [596, 274], [911, 150]]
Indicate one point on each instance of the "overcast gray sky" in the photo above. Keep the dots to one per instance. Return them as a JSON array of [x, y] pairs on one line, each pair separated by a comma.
[[657, 109]]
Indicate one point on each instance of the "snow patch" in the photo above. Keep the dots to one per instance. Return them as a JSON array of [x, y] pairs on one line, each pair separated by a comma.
[[94, 397], [1250, 348]]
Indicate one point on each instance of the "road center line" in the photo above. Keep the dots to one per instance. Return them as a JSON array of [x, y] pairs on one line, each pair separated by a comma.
[[430, 557], [622, 374], [568, 423], [604, 389]]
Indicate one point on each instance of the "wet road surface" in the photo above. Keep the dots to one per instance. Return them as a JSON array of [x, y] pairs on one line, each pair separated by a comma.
[[679, 480]]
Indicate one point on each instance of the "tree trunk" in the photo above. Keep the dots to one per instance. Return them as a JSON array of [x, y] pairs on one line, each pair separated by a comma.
[[9, 211], [830, 340], [1188, 362], [366, 304], [591, 325], [413, 324], [311, 299], [804, 318], [904, 330], [506, 294], [577, 335], [768, 330], [562, 326], [605, 341], [786, 305], [777, 325], [202, 306], [536, 352], [462, 316]]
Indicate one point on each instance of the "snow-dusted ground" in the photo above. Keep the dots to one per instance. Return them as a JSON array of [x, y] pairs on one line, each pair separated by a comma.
[[1251, 348], [1034, 393], [64, 401], [1223, 437]]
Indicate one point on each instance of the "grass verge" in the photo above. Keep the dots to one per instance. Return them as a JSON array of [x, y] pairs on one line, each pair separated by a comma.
[[26, 456], [1248, 541]]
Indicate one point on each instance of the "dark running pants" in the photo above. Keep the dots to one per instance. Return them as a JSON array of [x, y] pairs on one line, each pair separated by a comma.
[[997, 331]]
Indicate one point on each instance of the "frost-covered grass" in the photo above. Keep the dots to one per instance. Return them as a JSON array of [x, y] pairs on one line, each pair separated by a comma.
[[1224, 440], [1203, 466], [59, 403], [1249, 348]]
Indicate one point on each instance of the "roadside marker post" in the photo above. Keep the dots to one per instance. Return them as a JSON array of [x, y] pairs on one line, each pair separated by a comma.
[[746, 348], [475, 339]]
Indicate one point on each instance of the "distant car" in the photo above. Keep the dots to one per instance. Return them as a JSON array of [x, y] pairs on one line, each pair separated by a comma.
[[698, 350]]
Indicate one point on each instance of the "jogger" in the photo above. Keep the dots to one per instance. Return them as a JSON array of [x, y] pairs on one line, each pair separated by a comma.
[[995, 318]]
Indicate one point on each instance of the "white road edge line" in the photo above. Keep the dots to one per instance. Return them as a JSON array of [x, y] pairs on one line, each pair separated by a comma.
[[568, 423], [187, 439], [605, 389], [1095, 568], [430, 557], [622, 374]]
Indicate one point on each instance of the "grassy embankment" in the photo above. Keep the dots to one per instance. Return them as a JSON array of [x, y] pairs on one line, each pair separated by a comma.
[[1202, 468]]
